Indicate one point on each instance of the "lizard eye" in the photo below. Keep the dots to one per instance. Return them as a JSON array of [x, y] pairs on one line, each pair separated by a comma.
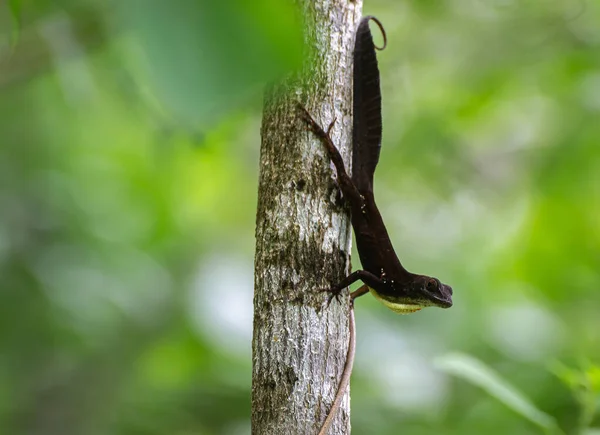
[[431, 285]]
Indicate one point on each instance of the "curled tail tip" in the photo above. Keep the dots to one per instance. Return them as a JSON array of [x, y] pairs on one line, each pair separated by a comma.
[[364, 27]]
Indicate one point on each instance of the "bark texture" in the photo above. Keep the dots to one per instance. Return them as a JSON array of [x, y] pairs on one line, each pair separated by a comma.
[[303, 237]]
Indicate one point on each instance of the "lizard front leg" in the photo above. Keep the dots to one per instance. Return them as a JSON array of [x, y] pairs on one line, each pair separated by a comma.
[[368, 278]]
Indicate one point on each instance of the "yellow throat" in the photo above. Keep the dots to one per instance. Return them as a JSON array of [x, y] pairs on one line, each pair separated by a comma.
[[395, 306]]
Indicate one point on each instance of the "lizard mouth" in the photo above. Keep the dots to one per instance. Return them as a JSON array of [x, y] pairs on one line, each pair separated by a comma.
[[446, 300], [444, 303]]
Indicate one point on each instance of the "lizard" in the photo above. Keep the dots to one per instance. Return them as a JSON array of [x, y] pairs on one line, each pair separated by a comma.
[[383, 274]]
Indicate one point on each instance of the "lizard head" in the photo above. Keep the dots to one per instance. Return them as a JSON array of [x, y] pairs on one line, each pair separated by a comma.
[[429, 291], [423, 291]]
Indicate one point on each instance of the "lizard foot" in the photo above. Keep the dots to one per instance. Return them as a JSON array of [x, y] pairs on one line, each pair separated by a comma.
[[334, 292]]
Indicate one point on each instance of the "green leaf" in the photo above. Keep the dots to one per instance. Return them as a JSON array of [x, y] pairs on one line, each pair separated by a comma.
[[477, 373]]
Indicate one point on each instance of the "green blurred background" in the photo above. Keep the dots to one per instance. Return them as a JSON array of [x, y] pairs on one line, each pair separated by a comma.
[[128, 182]]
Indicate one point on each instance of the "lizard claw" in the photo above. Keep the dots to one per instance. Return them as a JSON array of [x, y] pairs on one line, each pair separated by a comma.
[[303, 112], [306, 116], [334, 292], [331, 124]]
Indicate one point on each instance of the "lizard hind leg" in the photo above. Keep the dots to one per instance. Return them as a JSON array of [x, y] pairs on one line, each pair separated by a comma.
[[363, 290], [346, 185]]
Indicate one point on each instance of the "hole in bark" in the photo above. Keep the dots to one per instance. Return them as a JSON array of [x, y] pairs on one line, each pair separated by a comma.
[[291, 376]]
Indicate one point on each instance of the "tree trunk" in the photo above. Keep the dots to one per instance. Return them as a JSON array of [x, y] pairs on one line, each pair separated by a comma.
[[303, 237]]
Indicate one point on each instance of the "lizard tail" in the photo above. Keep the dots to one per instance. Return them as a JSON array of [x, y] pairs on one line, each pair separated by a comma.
[[367, 125]]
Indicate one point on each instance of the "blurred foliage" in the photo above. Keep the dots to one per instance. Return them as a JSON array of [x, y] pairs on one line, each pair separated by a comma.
[[128, 178], [478, 374]]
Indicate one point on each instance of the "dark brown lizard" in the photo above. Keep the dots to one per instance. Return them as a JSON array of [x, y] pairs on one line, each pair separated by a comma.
[[382, 274]]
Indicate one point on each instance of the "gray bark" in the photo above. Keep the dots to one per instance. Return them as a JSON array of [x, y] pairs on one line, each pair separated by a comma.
[[303, 237]]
